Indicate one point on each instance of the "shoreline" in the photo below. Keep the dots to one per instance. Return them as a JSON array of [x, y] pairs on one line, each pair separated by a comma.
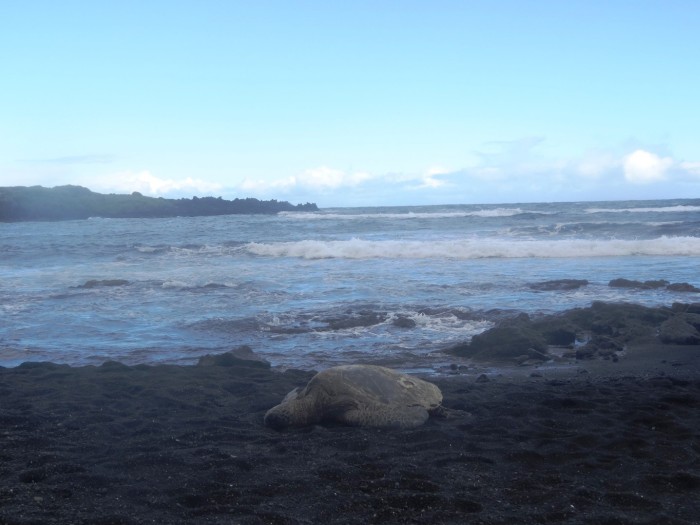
[[606, 431], [116, 444]]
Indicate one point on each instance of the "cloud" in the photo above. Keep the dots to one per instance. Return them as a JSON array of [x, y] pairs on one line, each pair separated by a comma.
[[517, 151], [692, 168], [506, 171], [147, 183], [595, 165], [325, 177], [430, 179], [643, 167], [321, 178]]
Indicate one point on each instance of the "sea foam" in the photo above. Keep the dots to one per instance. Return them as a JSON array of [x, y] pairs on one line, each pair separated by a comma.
[[476, 248], [661, 209], [495, 212]]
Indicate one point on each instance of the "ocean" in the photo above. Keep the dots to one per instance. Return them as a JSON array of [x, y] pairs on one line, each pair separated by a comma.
[[392, 286]]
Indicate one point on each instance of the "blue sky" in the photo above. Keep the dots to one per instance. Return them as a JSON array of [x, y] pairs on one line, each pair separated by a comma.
[[354, 103]]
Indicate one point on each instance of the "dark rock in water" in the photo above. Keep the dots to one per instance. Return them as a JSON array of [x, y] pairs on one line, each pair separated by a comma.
[[586, 352], [483, 378], [607, 328], [678, 331], [653, 285], [693, 319], [242, 356], [624, 283], [94, 283], [622, 321], [506, 342], [559, 284], [402, 321], [362, 318], [646, 285], [692, 308], [560, 336], [682, 287]]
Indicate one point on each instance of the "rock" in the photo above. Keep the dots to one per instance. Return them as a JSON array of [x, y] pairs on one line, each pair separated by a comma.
[[678, 331], [483, 378], [682, 287], [560, 336], [608, 328], [531, 362], [692, 308], [507, 341], [94, 283], [402, 321], [559, 284], [623, 322], [241, 356], [599, 346], [646, 285], [586, 352], [360, 319], [693, 319], [606, 343]]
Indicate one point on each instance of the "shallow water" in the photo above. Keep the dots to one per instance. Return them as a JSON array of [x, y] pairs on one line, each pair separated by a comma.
[[308, 290]]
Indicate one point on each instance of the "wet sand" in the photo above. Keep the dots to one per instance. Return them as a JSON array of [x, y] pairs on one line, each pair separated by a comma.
[[595, 442]]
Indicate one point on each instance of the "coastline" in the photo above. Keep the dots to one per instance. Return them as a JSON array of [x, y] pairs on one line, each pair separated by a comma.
[[601, 441]]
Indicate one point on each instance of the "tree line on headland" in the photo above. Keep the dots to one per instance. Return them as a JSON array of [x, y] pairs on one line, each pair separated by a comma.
[[37, 203]]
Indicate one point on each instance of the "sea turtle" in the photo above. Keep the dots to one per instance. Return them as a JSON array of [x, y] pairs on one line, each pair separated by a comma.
[[360, 395]]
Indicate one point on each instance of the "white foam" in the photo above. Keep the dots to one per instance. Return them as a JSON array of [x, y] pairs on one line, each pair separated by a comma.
[[496, 212], [663, 209], [445, 323], [173, 283], [477, 248]]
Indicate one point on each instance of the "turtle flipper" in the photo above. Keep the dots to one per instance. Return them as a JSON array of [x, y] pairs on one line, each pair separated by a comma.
[[385, 417]]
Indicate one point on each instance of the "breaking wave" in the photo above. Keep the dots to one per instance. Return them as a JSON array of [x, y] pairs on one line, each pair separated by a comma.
[[663, 209], [496, 212], [476, 248]]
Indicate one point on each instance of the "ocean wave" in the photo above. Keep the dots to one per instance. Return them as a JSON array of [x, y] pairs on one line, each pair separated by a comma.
[[496, 212], [477, 248], [663, 209]]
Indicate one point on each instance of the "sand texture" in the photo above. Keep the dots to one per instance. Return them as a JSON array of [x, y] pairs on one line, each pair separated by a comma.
[[600, 442]]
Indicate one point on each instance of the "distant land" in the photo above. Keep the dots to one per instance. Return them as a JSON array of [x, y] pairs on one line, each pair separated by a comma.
[[37, 203]]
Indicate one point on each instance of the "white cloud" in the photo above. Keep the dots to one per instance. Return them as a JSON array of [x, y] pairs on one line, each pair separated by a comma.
[[149, 184], [319, 179], [642, 167], [510, 173], [325, 177], [691, 167], [596, 165], [430, 179]]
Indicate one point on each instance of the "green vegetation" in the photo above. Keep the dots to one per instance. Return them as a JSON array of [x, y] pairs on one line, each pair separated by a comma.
[[36, 203]]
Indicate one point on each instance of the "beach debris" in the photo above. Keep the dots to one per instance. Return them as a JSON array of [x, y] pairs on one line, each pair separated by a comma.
[[358, 395]]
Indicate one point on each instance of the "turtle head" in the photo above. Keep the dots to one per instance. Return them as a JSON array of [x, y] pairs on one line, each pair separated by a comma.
[[293, 411], [279, 417]]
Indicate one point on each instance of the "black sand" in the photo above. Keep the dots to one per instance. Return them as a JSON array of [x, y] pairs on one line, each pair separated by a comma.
[[600, 442]]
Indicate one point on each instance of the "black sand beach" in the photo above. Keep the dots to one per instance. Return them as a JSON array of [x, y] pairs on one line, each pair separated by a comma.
[[598, 441]]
